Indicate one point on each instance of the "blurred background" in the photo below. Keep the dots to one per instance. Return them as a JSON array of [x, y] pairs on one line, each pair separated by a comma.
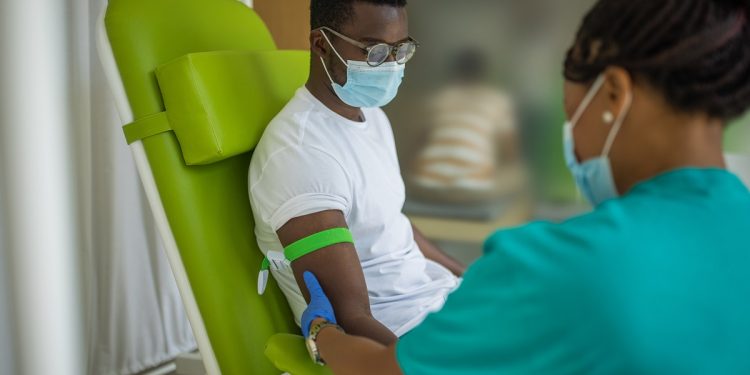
[[478, 126], [508, 56], [517, 50]]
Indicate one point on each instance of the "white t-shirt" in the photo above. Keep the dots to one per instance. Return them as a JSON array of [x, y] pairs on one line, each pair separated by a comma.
[[311, 159]]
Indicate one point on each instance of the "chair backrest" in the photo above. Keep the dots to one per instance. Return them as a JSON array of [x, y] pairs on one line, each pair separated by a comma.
[[206, 206]]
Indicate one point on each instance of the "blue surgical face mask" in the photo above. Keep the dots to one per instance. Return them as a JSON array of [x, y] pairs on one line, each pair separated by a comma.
[[594, 176], [367, 86]]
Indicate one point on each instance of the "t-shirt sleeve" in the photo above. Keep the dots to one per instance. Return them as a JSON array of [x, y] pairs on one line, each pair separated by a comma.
[[518, 311], [298, 181]]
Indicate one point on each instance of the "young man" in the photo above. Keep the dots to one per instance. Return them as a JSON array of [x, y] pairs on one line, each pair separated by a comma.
[[328, 160]]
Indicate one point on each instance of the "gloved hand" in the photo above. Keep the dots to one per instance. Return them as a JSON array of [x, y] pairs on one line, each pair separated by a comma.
[[319, 306]]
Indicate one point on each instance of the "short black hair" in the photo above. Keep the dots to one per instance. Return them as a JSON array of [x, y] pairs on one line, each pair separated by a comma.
[[696, 52], [334, 13]]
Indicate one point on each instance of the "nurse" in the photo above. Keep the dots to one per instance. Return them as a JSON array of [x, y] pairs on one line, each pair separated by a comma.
[[656, 279]]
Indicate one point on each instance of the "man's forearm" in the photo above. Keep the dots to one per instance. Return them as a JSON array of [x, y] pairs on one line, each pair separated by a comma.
[[431, 252], [348, 354]]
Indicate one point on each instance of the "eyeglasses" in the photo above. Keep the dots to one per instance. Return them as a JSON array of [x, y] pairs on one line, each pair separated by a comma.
[[377, 54]]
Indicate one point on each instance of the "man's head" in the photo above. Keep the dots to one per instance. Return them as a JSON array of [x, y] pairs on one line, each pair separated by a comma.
[[366, 22], [336, 13]]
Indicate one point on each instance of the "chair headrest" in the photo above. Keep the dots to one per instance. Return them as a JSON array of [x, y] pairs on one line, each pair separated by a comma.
[[219, 103]]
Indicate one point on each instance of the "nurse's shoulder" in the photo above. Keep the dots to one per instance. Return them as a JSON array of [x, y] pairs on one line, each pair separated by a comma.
[[577, 237]]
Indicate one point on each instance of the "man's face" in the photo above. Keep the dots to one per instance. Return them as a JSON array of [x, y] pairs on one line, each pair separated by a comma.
[[370, 24]]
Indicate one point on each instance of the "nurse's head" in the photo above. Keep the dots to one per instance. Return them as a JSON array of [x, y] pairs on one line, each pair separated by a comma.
[[663, 78], [364, 41]]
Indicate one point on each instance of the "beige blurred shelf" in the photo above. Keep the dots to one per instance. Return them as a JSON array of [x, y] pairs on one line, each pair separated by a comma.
[[472, 231]]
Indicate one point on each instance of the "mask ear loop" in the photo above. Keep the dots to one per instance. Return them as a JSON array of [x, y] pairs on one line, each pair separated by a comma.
[[333, 48], [326, 70], [337, 54], [618, 124], [587, 100]]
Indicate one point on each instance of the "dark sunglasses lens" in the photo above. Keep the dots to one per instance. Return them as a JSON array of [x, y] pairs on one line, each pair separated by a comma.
[[378, 54]]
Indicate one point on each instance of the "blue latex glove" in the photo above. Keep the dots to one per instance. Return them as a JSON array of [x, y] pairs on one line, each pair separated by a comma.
[[319, 307]]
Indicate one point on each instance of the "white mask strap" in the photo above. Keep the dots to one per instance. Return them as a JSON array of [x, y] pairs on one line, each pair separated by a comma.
[[333, 48], [587, 99], [618, 124], [326, 69]]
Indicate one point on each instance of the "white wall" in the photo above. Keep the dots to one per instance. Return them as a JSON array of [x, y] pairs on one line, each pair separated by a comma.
[[37, 187]]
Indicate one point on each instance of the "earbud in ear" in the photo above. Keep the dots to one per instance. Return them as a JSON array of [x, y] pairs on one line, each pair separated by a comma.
[[608, 117]]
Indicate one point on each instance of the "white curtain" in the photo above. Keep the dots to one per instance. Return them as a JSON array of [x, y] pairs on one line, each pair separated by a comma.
[[6, 344], [134, 316], [38, 246]]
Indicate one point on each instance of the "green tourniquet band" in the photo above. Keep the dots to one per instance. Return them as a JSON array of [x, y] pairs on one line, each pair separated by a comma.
[[316, 242]]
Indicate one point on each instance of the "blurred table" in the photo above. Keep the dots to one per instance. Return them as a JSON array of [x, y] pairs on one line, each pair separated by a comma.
[[473, 231]]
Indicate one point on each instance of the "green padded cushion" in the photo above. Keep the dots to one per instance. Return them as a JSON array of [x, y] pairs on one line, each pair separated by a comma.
[[218, 103], [288, 353]]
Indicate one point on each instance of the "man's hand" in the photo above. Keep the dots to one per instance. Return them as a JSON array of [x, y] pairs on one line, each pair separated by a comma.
[[319, 306]]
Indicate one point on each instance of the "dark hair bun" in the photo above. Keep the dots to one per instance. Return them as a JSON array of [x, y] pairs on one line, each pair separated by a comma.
[[694, 51], [735, 3]]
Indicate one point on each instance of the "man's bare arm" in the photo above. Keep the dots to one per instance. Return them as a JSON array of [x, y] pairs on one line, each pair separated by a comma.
[[339, 271], [432, 252]]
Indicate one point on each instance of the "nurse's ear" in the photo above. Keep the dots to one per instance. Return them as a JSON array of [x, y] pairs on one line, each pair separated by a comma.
[[318, 44], [618, 89]]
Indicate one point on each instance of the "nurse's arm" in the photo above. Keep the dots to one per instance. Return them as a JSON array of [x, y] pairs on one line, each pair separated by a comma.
[[347, 354], [338, 268]]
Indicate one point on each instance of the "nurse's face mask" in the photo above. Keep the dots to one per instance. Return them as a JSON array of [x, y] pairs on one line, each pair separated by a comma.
[[594, 176], [375, 82]]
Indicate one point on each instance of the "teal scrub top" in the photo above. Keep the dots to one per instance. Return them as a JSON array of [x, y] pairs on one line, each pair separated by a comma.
[[655, 282]]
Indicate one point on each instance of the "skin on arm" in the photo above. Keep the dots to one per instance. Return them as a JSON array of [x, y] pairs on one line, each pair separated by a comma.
[[339, 271], [432, 252], [363, 356]]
